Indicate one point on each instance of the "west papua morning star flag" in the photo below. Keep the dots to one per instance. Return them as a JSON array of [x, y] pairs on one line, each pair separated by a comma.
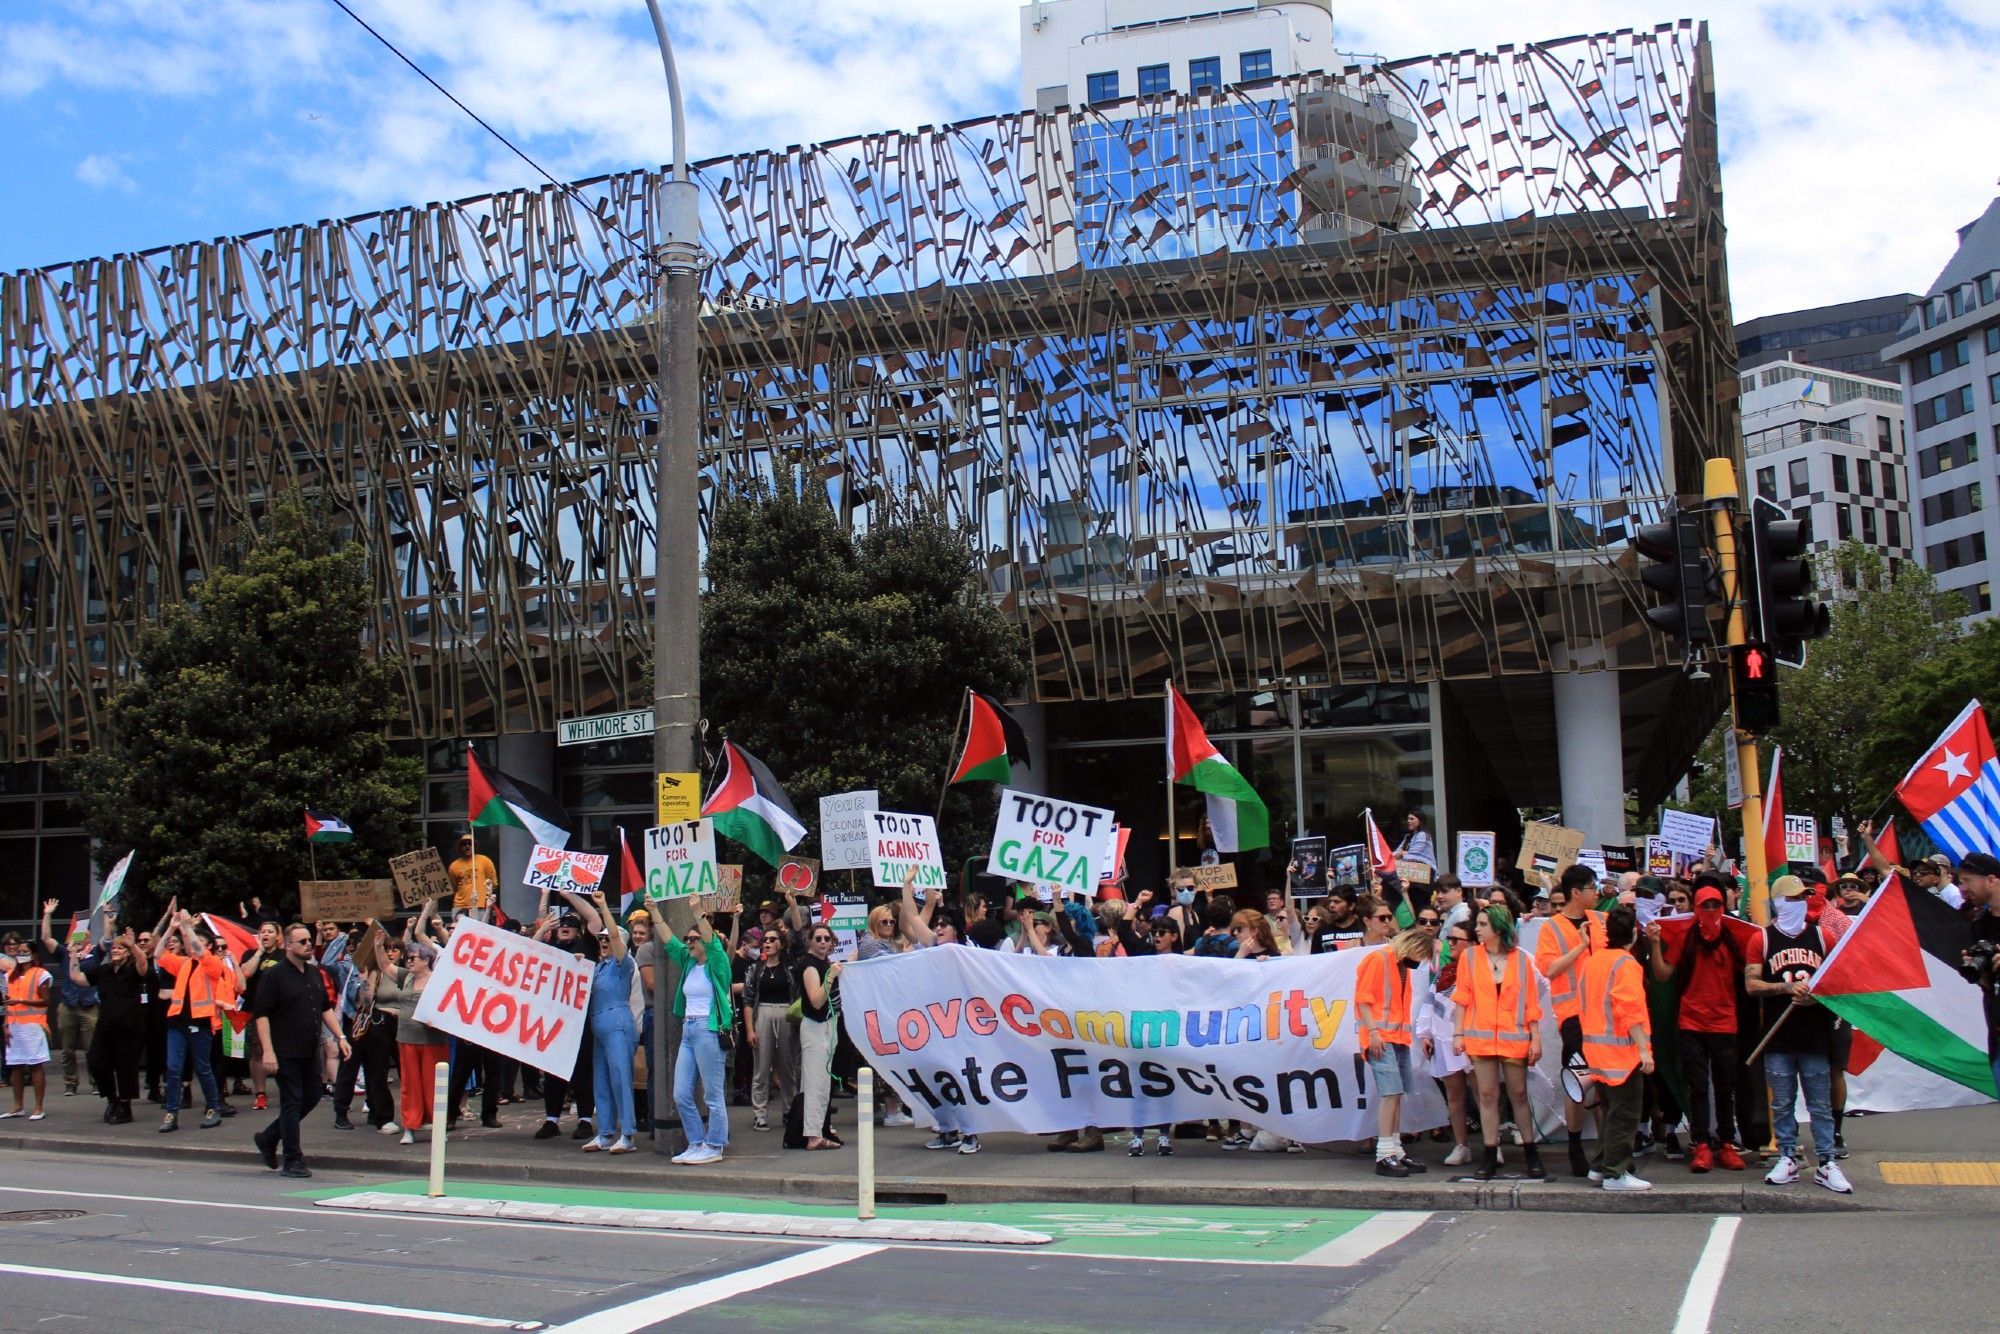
[[1894, 975], [1236, 814], [994, 743], [747, 804], [496, 799], [326, 828], [1954, 790]]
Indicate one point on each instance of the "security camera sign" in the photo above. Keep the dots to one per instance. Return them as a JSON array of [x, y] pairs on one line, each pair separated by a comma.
[[1044, 841], [680, 860], [903, 843]]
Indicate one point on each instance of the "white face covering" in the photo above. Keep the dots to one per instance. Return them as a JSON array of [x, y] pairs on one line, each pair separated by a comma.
[[1790, 915]]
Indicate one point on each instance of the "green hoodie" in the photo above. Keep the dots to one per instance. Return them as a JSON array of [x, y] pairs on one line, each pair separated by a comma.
[[723, 1016]]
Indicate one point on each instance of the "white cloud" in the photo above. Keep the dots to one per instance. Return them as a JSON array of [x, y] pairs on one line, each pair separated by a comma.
[[104, 173]]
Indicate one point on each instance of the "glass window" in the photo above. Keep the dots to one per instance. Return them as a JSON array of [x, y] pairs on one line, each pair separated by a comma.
[[1256, 65], [1799, 478], [1840, 472], [1865, 475], [1205, 74], [1843, 522], [1993, 340], [1767, 483], [1155, 79], [1888, 479], [1104, 87], [1993, 387], [1895, 521], [1978, 598], [1868, 533]]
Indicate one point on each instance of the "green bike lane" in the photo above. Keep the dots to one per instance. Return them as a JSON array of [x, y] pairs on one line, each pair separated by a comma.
[[1178, 1233]]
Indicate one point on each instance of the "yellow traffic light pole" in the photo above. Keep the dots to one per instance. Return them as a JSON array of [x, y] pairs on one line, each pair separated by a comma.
[[1719, 490]]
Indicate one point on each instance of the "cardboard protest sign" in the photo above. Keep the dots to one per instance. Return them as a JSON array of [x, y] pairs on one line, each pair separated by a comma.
[[680, 860], [516, 997], [1801, 840], [900, 843], [1042, 840], [1685, 832], [728, 895], [1108, 881], [1306, 874], [845, 842], [346, 900], [1548, 849], [798, 875], [1413, 872], [1475, 858], [554, 869], [420, 877], [1212, 878]]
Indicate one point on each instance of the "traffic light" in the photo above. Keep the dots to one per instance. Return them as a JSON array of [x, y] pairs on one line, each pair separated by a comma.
[[1784, 613], [1679, 571], [1755, 678]]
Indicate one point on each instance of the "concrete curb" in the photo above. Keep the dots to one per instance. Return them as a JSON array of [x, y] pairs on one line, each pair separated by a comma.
[[694, 1220], [1555, 1196]]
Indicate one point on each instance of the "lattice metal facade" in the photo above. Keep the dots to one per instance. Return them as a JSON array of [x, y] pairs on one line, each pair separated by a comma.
[[1203, 416]]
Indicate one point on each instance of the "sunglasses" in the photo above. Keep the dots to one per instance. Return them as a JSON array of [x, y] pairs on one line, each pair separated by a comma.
[[1382, 917], [1427, 920]]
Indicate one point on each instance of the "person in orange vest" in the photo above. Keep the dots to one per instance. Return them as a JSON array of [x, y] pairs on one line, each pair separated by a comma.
[[1499, 1029], [1617, 1046], [1567, 939], [28, 988], [202, 990], [1382, 985]]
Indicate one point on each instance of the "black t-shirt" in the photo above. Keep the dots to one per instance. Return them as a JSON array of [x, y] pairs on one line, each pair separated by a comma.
[[1986, 926], [1790, 959], [774, 985], [1330, 938], [250, 987], [118, 993], [293, 999], [818, 1013]]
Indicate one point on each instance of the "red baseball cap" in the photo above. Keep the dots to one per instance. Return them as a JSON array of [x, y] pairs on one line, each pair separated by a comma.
[[1707, 895]]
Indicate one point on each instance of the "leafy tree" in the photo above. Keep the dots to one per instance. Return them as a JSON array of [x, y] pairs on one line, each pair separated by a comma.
[[841, 660], [253, 699]]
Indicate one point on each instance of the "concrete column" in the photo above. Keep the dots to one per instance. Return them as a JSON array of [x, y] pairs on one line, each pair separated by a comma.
[[1034, 723], [530, 757], [1590, 754]]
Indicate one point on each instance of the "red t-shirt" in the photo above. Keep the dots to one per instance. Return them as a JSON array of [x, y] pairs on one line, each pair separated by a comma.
[[1708, 1000]]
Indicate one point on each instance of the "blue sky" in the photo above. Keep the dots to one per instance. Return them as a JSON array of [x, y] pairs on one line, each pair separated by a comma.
[[1858, 136]]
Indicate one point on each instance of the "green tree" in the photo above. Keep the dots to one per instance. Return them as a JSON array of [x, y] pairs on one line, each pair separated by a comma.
[[841, 660], [252, 700]]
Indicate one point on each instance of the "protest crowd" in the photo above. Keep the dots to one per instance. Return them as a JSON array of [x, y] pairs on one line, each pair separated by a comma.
[[1565, 999]]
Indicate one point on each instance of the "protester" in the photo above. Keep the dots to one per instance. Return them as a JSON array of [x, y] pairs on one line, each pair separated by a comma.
[[1706, 969], [473, 880], [119, 977], [1436, 1027], [566, 932], [371, 1038], [816, 978], [201, 991], [640, 924], [614, 1033], [270, 949], [29, 987], [1499, 1029], [1340, 925], [1617, 1047], [1383, 987], [294, 1007], [1798, 1034], [419, 1047], [1416, 844], [1981, 871], [703, 1006], [77, 1007], [1566, 938]]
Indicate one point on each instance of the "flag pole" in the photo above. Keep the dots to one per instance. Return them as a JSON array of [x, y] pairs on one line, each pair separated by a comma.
[[1173, 834], [944, 788]]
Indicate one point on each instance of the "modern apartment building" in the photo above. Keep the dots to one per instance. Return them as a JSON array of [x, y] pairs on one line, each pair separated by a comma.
[[1949, 355], [1848, 336]]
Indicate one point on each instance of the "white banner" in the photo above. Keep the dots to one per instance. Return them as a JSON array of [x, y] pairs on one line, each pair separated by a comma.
[[1035, 1044], [1044, 841], [513, 996], [902, 843], [1475, 858], [844, 843], [680, 860], [1685, 832], [554, 869]]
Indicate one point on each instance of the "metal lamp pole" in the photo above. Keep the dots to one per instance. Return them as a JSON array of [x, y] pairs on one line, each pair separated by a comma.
[[677, 561]]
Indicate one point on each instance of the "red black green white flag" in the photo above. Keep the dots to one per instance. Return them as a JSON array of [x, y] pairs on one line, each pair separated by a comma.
[[496, 798], [747, 804], [994, 743], [1894, 975], [321, 828], [1236, 814]]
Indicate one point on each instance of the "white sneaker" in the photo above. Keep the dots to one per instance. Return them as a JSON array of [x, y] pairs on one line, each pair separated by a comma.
[[707, 1153], [1460, 1155], [897, 1121], [389, 1128], [1783, 1172], [1835, 1180], [681, 1158], [1596, 1175], [1510, 1133], [408, 1138], [1627, 1181]]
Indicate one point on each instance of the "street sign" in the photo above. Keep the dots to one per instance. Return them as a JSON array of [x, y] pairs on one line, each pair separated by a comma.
[[1732, 763], [604, 727]]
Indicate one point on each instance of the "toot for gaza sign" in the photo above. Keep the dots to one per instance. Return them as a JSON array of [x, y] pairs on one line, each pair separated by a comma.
[[905, 843], [1048, 842]]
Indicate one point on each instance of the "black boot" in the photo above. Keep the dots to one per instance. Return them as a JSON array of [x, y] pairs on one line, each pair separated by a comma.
[[1536, 1172], [1579, 1161], [1489, 1164]]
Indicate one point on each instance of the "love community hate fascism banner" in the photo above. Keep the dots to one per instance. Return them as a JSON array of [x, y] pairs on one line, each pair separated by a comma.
[[1035, 1044]]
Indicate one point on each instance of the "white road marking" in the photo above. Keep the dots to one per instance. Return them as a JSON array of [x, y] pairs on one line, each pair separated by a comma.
[[1366, 1238], [648, 1311], [266, 1298], [1705, 1283]]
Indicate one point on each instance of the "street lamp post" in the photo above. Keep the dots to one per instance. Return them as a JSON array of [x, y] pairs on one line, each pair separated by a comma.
[[677, 561]]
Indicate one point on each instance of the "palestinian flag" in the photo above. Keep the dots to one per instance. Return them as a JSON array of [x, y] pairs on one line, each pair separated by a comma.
[[1894, 976], [1235, 813], [1382, 860], [326, 828], [994, 743], [747, 804], [1776, 863], [629, 879], [236, 937], [497, 799]]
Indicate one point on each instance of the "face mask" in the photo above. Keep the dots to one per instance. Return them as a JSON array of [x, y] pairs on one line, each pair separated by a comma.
[[1790, 915], [1184, 897]]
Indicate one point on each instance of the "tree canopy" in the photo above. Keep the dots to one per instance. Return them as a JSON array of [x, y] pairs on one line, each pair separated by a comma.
[[253, 699]]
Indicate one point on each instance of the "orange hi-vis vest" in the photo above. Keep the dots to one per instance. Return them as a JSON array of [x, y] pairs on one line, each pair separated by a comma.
[[199, 991], [1499, 1016], [25, 1003], [1612, 1007], [1559, 937], [1382, 999]]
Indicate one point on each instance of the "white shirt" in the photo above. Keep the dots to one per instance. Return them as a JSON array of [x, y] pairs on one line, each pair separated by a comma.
[[699, 993]]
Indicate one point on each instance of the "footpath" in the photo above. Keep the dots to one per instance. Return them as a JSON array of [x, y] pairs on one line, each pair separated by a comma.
[[1941, 1160]]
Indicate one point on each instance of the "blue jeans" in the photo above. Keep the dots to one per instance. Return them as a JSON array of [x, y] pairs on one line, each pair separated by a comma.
[[614, 1039], [1787, 1071], [701, 1053], [190, 1038]]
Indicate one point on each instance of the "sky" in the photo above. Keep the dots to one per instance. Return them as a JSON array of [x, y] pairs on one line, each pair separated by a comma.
[[1857, 136]]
